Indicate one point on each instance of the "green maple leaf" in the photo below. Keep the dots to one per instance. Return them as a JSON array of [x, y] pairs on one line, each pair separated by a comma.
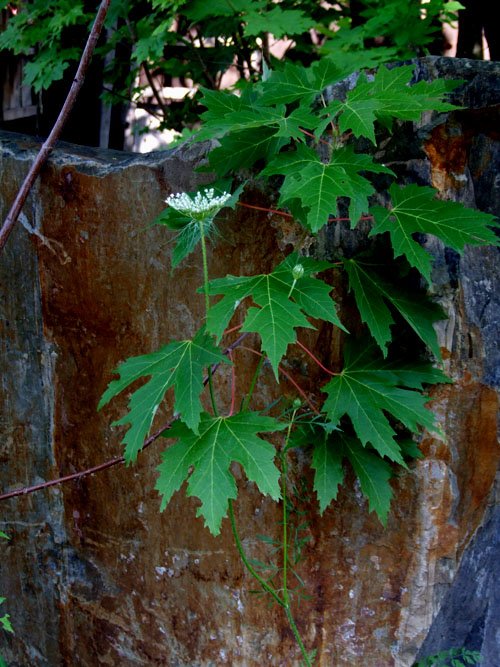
[[327, 462], [296, 82], [200, 10], [4, 620], [330, 452], [367, 391], [179, 364], [208, 454], [254, 117], [152, 36], [278, 21], [279, 312], [356, 115], [373, 293], [49, 66], [398, 98], [415, 209], [318, 185], [244, 148], [388, 96], [219, 103], [374, 474]]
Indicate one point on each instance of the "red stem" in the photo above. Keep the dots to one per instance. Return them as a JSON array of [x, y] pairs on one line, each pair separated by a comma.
[[317, 361], [310, 134], [287, 376], [331, 218], [228, 331], [263, 208], [49, 143]]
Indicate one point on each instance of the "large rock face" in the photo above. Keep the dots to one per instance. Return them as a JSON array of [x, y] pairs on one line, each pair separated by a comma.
[[94, 574]]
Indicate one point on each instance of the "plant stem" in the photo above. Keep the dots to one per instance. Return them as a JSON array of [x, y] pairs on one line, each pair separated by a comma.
[[205, 265], [316, 360], [287, 376], [248, 397], [284, 474], [269, 589], [297, 636], [286, 596], [207, 306], [285, 600]]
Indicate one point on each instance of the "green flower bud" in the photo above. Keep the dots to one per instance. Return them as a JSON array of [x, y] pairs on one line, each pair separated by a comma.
[[296, 404], [297, 271]]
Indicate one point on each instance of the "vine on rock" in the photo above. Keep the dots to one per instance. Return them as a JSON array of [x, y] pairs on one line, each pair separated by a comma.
[[363, 416], [318, 153]]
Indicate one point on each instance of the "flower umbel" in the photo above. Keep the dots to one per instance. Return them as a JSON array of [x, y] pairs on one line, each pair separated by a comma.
[[204, 204]]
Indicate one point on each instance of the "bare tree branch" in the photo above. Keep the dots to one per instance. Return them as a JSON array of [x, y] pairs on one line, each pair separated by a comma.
[[49, 143], [82, 473]]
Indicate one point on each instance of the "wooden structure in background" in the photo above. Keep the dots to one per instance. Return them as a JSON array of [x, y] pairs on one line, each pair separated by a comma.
[[17, 99]]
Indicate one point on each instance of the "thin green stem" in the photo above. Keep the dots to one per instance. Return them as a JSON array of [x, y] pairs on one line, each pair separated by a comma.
[[286, 595], [285, 600], [292, 287], [284, 475], [207, 306], [269, 589], [248, 397], [205, 266], [297, 636]]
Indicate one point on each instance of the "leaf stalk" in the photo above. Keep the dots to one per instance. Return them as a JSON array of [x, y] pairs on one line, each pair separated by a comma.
[[201, 224]]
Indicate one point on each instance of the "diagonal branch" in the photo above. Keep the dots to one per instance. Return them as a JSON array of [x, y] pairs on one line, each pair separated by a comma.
[[49, 143], [83, 473]]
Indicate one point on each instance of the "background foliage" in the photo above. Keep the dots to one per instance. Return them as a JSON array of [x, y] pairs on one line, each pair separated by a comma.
[[153, 44]]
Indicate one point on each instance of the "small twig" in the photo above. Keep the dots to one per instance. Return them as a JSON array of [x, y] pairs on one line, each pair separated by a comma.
[[267, 210], [287, 376], [49, 143], [317, 361], [337, 219], [154, 89], [228, 331], [310, 134], [331, 218], [84, 473], [204, 67]]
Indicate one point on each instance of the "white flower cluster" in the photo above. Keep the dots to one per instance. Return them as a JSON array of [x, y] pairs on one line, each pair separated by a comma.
[[204, 205]]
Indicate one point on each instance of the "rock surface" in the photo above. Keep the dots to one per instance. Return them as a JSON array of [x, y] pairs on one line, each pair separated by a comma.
[[94, 574]]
